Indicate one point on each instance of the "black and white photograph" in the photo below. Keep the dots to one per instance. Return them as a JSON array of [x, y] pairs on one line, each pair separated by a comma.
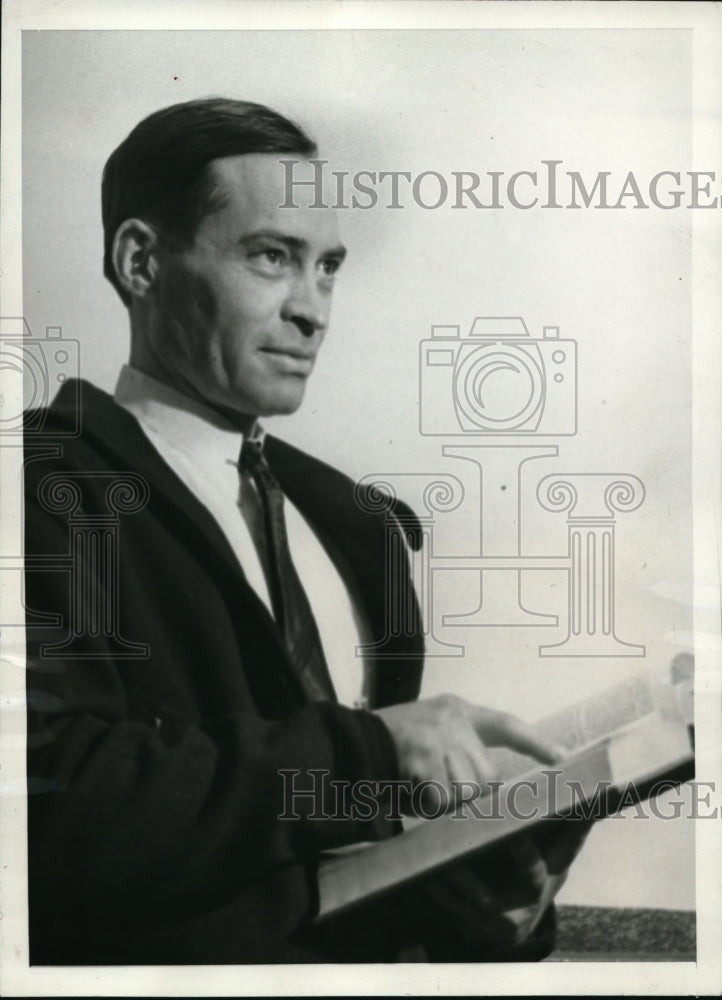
[[359, 453]]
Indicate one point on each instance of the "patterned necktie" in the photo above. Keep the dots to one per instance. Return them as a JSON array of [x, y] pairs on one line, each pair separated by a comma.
[[262, 505]]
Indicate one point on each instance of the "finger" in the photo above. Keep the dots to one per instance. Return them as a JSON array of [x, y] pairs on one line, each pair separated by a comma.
[[561, 842], [506, 730], [525, 920], [471, 759], [427, 764], [493, 908], [516, 872], [467, 781], [431, 799], [431, 794], [530, 863], [511, 885]]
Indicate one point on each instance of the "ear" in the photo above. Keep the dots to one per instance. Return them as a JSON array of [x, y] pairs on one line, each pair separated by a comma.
[[135, 257]]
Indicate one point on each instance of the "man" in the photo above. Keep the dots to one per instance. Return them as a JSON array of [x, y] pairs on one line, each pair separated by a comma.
[[174, 688]]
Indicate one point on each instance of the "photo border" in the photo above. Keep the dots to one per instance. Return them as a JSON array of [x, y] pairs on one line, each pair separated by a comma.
[[644, 978]]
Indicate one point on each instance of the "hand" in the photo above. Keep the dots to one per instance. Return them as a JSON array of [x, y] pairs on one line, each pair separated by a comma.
[[495, 902], [444, 740]]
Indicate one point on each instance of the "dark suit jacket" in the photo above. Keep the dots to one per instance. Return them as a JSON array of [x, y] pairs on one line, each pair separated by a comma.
[[154, 788]]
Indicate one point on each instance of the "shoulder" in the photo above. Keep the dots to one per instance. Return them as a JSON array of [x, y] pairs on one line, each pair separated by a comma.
[[285, 459], [306, 479], [310, 482], [83, 431], [81, 414]]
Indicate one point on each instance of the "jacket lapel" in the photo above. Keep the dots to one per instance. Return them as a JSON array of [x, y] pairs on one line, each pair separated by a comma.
[[322, 494], [117, 435], [356, 542], [350, 536]]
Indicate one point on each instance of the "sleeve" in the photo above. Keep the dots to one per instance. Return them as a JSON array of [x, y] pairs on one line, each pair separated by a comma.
[[114, 809], [125, 810]]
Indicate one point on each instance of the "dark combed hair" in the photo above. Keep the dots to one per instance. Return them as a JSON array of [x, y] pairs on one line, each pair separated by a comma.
[[158, 173]]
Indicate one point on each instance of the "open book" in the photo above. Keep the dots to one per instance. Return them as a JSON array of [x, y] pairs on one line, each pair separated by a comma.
[[626, 743]]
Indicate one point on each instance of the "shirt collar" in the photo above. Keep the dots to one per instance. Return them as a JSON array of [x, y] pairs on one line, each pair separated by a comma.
[[186, 425]]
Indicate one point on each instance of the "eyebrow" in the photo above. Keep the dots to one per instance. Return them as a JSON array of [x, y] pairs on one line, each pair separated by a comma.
[[292, 242]]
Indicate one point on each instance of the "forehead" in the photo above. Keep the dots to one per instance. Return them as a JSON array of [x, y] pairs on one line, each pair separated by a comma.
[[252, 188]]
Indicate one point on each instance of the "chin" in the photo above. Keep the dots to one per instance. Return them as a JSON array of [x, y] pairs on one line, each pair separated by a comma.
[[280, 408], [281, 403]]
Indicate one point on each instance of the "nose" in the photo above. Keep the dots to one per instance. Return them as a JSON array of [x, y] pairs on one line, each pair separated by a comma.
[[307, 305]]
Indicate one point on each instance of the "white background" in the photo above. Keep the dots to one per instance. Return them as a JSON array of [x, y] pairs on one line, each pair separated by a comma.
[[617, 281]]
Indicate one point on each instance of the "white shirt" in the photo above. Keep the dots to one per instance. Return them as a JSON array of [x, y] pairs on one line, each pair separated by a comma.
[[202, 448]]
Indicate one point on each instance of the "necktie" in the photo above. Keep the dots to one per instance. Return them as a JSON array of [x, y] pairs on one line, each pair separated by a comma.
[[263, 509]]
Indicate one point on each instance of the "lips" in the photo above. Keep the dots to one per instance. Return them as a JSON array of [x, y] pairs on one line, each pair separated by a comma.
[[290, 352], [290, 360], [297, 353]]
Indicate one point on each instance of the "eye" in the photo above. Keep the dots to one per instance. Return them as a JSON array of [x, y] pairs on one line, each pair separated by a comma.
[[330, 266], [273, 255], [270, 261]]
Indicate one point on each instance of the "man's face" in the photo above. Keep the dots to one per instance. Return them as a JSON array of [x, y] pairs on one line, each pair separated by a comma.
[[241, 315]]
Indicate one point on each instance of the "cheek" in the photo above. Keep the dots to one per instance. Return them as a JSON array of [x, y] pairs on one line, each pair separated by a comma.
[[215, 322], [245, 317], [190, 300], [205, 306], [188, 315]]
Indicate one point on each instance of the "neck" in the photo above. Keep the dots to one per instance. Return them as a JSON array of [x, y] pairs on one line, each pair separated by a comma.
[[243, 422], [143, 359]]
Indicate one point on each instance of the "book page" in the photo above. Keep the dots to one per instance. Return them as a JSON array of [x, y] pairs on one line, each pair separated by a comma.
[[583, 723]]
